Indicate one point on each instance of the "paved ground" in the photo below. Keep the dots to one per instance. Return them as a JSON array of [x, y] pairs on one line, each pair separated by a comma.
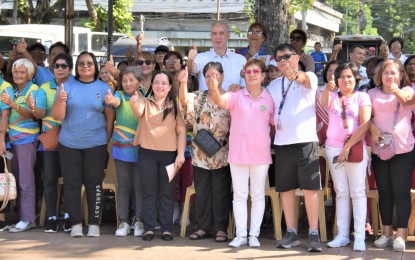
[[35, 244]]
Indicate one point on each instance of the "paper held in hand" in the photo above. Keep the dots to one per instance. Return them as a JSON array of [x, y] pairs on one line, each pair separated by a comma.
[[171, 171]]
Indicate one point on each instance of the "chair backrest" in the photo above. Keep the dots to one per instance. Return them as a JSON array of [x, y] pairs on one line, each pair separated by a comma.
[[110, 171], [324, 167]]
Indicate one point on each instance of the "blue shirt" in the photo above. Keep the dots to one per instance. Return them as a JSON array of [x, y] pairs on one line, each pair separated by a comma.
[[318, 57], [84, 125], [42, 76]]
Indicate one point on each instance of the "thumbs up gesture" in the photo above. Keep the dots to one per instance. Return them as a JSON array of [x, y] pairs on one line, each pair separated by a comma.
[[183, 75], [213, 84], [21, 46], [338, 47], [109, 98], [5, 98], [331, 85], [134, 98], [62, 96], [109, 65], [30, 101], [192, 53]]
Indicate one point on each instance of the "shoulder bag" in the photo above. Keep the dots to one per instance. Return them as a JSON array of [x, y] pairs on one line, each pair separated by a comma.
[[50, 138]]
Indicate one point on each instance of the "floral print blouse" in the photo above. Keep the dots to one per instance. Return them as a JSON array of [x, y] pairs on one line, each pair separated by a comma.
[[213, 119]]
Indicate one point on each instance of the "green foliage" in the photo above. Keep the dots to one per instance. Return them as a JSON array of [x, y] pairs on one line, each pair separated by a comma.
[[122, 16]]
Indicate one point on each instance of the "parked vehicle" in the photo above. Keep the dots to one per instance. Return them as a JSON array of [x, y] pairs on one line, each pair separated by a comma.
[[349, 40]]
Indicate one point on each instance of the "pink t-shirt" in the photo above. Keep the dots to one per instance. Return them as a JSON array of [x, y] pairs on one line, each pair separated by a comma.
[[336, 133], [249, 140], [384, 107]]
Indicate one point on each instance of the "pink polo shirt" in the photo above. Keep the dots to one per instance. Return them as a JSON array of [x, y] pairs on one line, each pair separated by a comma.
[[249, 140]]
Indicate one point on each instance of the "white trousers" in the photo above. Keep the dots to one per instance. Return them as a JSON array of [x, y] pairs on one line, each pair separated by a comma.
[[349, 181], [248, 179]]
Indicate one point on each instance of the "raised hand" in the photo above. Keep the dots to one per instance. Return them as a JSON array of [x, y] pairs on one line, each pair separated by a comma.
[[109, 98], [62, 96], [338, 47], [213, 84], [192, 53], [5, 98], [110, 65], [140, 37], [135, 98], [30, 101], [183, 75], [331, 85]]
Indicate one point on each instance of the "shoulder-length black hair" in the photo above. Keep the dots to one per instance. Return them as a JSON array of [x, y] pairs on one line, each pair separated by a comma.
[[170, 95], [94, 59], [344, 66]]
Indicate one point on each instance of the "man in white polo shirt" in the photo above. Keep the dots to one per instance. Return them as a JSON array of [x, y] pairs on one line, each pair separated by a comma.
[[232, 63]]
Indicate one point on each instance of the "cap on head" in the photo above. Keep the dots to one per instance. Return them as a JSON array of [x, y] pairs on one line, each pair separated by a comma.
[[301, 32]]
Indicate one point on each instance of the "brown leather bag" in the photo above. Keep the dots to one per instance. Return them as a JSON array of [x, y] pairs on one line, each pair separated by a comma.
[[50, 138]]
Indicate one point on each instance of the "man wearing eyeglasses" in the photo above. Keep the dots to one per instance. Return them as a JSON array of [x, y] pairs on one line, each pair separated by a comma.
[[232, 63], [257, 35], [296, 144], [298, 38], [38, 53]]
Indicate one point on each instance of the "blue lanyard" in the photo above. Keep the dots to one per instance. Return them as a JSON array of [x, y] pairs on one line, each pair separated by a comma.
[[284, 95]]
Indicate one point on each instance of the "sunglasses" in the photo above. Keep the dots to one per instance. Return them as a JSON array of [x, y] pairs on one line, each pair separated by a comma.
[[83, 64], [296, 39], [60, 65], [254, 71], [141, 62], [285, 57], [257, 33]]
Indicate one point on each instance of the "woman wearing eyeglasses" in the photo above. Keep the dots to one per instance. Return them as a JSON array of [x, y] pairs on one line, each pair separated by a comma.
[[23, 133], [393, 100], [349, 119], [252, 110], [298, 38], [257, 35], [87, 124], [41, 109]]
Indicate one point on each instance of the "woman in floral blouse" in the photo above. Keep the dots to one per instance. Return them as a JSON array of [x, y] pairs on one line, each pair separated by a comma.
[[212, 178]]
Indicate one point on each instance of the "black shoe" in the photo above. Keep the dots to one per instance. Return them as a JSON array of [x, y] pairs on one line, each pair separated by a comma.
[[4, 226], [167, 236], [148, 236], [67, 226], [51, 226]]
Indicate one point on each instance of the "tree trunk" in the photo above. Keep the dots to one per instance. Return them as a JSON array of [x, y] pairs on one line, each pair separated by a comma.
[[274, 14], [93, 14]]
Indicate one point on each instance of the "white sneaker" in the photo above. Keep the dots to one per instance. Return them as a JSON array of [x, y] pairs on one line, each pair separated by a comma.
[[384, 241], [238, 242], [339, 241], [253, 241], [138, 229], [77, 231], [399, 245], [93, 231], [359, 244], [123, 230]]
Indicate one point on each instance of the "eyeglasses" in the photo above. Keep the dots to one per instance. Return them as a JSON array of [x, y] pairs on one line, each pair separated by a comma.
[[296, 39], [254, 71], [257, 33], [141, 62], [60, 65], [83, 64], [37, 52], [171, 61], [396, 45], [285, 57], [161, 53]]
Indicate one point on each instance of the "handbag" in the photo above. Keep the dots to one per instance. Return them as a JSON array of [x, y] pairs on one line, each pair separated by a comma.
[[50, 138], [204, 139], [8, 189], [386, 148]]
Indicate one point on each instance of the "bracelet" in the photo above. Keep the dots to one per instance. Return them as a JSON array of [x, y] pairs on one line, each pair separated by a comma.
[[3, 131], [18, 107]]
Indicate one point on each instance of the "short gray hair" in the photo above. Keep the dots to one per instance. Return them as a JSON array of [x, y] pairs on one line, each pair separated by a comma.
[[221, 23], [27, 64]]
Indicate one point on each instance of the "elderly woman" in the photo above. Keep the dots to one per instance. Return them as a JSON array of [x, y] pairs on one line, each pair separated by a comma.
[[392, 118], [257, 35], [23, 139], [41, 109], [252, 110], [396, 46], [349, 117], [211, 174], [87, 124], [162, 138], [124, 152]]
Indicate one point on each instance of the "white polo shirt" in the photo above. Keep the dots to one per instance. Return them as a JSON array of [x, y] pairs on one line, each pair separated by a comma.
[[402, 58], [232, 64], [298, 116], [364, 80]]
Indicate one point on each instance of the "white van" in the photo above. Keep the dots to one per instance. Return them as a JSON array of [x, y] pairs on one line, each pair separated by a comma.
[[83, 38]]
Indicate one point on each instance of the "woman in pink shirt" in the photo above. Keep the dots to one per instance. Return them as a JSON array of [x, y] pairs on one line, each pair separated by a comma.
[[349, 118], [392, 113], [252, 110]]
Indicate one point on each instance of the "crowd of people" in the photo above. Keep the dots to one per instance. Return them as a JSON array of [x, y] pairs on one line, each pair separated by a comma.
[[252, 103]]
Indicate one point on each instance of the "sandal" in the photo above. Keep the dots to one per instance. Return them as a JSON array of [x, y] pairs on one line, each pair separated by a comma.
[[197, 236], [148, 236], [221, 236], [167, 236]]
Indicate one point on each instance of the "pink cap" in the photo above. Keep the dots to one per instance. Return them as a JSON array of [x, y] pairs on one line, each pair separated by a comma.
[[372, 48]]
